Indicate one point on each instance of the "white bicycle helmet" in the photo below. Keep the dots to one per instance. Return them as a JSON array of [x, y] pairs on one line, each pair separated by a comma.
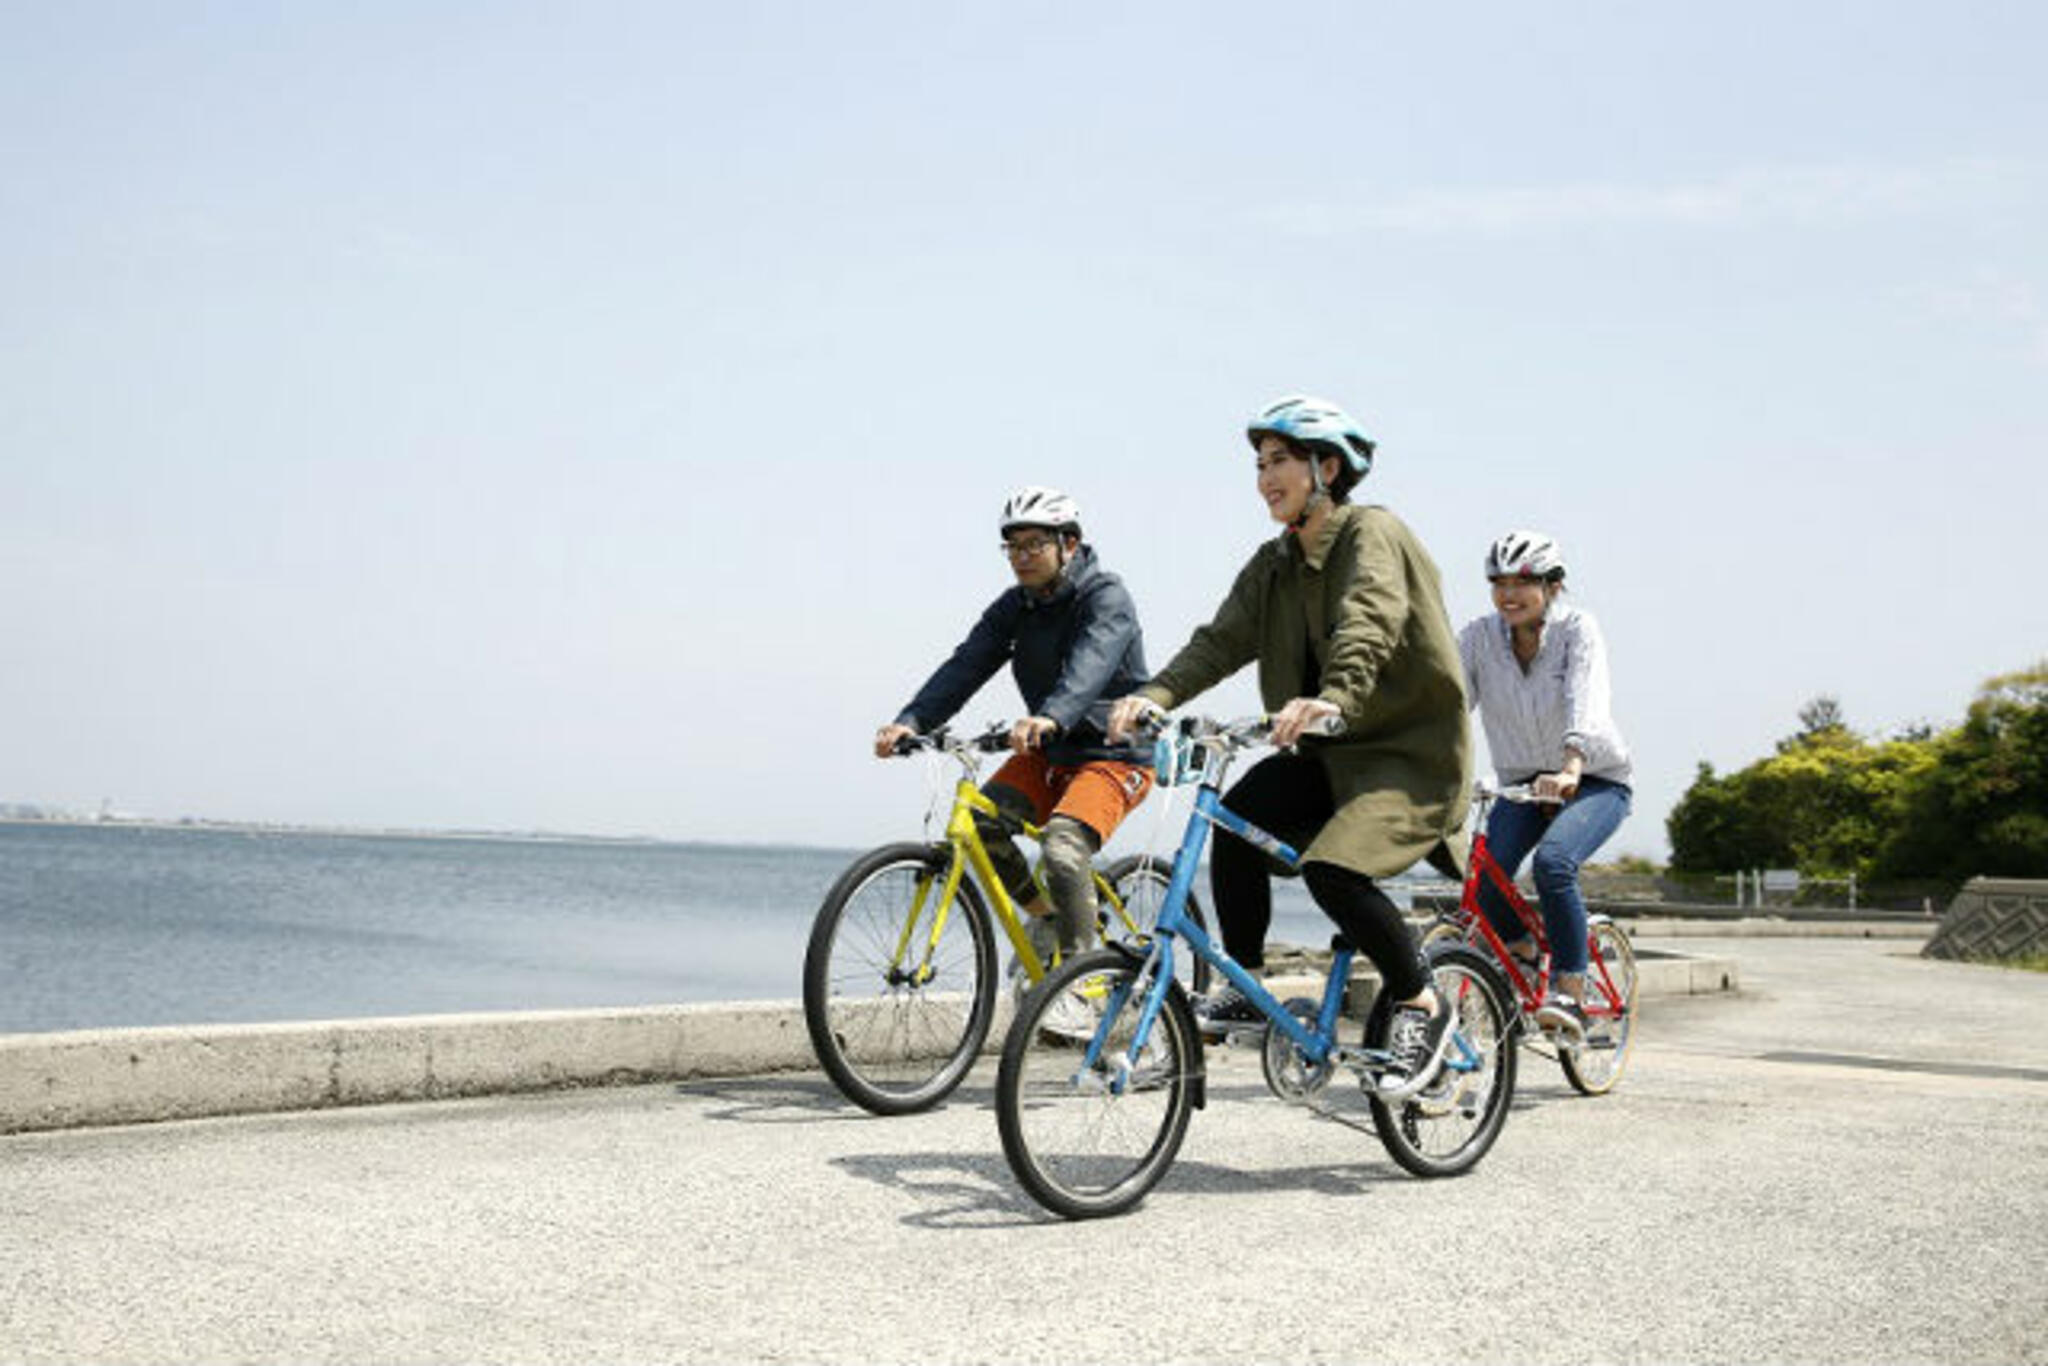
[[1038, 506], [1525, 555], [1318, 424]]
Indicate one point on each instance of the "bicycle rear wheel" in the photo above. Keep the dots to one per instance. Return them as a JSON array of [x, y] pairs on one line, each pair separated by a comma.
[[1595, 1064], [1090, 1139], [898, 1004], [1447, 1127], [1140, 882]]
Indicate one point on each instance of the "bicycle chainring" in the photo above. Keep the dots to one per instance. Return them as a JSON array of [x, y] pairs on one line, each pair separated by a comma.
[[1289, 1075]]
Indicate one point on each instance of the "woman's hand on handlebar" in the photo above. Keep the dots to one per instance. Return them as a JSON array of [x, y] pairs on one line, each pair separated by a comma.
[[888, 737], [1302, 716], [1562, 785], [1127, 714]]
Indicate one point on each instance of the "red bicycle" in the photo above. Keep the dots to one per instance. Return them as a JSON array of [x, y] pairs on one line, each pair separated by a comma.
[[1594, 1062]]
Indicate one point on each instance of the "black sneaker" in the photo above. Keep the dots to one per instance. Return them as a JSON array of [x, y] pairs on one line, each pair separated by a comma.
[[1417, 1041], [1227, 1010]]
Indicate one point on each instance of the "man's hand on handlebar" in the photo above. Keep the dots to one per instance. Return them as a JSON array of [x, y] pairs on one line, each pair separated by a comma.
[[1030, 734], [1128, 714], [1302, 716], [888, 737]]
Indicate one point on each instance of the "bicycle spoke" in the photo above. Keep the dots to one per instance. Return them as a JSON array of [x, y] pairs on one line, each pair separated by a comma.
[[1092, 1139], [896, 1018]]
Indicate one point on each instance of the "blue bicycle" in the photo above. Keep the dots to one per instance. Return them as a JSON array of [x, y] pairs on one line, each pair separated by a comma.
[[1103, 1065]]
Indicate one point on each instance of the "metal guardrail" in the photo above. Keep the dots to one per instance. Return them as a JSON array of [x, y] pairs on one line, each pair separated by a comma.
[[1628, 909]]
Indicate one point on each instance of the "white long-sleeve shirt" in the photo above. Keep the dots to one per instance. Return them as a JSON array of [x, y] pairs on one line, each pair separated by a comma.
[[1563, 701]]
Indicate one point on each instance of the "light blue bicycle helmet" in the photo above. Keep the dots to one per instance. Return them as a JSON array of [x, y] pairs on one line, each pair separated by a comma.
[[1318, 424], [1320, 428]]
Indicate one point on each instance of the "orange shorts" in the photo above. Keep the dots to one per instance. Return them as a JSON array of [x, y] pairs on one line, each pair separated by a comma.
[[1099, 793]]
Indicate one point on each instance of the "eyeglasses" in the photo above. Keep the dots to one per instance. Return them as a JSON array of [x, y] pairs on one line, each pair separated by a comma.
[[1024, 550]]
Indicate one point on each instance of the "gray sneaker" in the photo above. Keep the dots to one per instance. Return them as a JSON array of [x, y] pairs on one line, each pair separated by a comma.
[[1070, 1016], [1562, 1016]]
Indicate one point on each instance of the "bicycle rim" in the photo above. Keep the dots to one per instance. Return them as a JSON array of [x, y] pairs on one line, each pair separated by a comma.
[[1448, 1126], [1141, 882], [895, 1015], [1090, 1140], [1594, 1065]]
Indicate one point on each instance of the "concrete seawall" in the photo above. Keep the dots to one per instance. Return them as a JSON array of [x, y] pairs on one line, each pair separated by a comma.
[[129, 1076]]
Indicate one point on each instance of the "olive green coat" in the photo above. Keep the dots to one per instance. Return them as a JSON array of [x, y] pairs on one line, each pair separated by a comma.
[[1366, 598]]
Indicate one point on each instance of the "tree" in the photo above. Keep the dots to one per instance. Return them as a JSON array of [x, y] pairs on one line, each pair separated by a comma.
[[1824, 803], [1820, 715], [1983, 808], [1938, 805]]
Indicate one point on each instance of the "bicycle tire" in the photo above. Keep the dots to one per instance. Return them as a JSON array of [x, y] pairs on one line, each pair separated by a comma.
[[894, 1046], [1594, 1065], [1443, 931], [1080, 1149], [1448, 1126], [1141, 881]]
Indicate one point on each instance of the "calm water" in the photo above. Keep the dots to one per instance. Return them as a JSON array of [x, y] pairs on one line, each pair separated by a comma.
[[112, 926], [105, 926]]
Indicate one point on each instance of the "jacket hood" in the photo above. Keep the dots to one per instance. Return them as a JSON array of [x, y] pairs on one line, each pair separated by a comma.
[[1072, 580]]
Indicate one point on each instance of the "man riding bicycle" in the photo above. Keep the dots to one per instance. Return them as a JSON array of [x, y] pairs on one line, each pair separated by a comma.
[[1070, 633]]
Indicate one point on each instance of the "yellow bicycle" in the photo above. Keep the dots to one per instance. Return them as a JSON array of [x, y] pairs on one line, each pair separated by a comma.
[[900, 982]]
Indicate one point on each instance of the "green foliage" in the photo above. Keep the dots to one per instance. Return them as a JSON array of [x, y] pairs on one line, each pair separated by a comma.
[[1984, 810], [1944, 805]]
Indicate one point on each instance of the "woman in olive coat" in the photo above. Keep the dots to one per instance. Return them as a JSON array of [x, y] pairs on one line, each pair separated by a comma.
[[1344, 614]]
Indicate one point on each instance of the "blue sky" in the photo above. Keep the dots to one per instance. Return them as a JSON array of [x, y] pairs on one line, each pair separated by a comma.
[[594, 418]]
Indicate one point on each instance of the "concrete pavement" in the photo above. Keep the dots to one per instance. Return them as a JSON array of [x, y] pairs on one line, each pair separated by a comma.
[[1842, 1162]]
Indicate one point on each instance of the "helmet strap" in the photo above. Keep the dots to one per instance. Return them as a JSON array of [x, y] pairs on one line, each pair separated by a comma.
[[1319, 495]]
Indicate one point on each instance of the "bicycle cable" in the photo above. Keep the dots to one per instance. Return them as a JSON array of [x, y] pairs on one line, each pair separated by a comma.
[[933, 787]]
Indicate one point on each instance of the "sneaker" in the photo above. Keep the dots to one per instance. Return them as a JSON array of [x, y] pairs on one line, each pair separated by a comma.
[[1418, 1042], [1563, 1016], [1227, 1010], [1069, 1016]]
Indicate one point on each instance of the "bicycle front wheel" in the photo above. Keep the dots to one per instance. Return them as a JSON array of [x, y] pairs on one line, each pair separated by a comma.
[[1091, 1138], [899, 990], [1140, 882], [1445, 1128], [1595, 1064]]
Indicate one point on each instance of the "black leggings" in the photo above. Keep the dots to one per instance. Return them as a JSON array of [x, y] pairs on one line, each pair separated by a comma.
[[1288, 795]]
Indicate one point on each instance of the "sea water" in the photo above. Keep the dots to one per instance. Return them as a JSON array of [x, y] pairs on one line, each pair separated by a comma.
[[116, 924]]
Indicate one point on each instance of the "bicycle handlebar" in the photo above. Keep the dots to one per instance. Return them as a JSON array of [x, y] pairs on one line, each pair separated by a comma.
[[1515, 792], [1240, 733], [994, 740]]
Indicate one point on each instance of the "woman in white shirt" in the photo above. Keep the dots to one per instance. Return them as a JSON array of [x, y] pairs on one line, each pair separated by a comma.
[[1536, 668]]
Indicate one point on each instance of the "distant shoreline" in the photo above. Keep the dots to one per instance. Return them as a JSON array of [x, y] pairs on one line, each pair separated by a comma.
[[196, 825]]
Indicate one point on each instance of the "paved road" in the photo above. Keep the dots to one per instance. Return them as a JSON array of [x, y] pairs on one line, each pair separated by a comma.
[[1843, 1163]]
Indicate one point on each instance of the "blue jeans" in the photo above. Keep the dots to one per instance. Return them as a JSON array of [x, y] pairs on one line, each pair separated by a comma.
[[1562, 842]]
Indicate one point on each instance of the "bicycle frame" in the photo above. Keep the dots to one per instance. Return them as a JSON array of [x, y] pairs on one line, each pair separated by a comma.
[[963, 835], [1317, 1044], [1472, 921]]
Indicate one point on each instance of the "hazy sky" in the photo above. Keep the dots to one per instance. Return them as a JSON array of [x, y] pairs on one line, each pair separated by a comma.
[[593, 417]]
